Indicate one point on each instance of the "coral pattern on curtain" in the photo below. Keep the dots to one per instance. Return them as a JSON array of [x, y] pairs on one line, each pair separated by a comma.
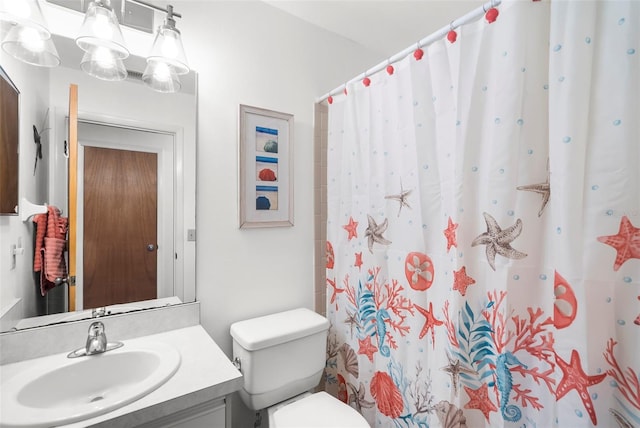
[[483, 236]]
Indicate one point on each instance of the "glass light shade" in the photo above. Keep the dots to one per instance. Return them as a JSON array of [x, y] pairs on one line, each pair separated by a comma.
[[100, 28], [27, 45], [161, 77], [102, 63], [167, 47], [25, 13]]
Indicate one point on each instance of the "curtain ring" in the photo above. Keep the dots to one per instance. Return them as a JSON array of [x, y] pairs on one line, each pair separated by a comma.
[[452, 36], [389, 67]]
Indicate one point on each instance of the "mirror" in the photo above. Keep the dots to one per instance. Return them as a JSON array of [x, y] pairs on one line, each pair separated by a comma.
[[9, 127], [127, 118]]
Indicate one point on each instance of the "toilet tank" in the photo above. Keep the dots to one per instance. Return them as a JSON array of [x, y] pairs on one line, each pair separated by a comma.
[[281, 355]]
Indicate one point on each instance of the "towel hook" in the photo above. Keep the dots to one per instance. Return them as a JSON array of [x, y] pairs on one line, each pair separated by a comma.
[[28, 209]]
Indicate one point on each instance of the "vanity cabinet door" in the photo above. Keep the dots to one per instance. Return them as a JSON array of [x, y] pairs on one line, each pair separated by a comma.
[[210, 415]]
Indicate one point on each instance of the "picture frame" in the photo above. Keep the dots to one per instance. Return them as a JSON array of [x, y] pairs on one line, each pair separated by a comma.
[[265, 168]]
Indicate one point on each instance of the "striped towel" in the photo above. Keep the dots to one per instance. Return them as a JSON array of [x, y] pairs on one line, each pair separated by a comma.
[[51, 237]]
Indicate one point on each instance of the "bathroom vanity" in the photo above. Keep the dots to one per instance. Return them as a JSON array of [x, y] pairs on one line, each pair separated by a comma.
[[195, 393]]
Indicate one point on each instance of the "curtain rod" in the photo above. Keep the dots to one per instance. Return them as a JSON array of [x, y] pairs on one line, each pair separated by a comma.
[[437, 35]]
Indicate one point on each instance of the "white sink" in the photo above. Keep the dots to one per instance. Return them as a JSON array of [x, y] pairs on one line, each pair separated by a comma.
[[59, 390]]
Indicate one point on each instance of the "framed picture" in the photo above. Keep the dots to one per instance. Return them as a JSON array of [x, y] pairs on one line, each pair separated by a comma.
[[266, 155]]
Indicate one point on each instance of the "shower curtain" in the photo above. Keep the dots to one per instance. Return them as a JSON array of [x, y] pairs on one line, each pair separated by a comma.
[[483, 230]]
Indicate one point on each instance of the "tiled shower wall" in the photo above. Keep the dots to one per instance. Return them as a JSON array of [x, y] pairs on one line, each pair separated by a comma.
[[320, 205]]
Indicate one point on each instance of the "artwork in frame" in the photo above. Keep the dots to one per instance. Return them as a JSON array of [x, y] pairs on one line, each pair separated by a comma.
[[266, 168]]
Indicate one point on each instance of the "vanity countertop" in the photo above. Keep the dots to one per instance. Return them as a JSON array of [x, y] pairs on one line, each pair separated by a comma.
[[205, 374]]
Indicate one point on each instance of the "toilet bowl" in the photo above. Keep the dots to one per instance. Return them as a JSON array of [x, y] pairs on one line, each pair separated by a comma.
[[282, 358], [319, 410]]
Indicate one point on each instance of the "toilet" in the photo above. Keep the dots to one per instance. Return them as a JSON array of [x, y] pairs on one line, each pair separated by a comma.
[[282, 357]]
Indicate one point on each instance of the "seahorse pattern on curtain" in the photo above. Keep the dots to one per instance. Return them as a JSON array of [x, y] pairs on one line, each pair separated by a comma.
[[483, 236]]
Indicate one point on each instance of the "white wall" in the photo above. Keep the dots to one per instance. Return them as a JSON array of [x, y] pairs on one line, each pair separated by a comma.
[[251, 53]]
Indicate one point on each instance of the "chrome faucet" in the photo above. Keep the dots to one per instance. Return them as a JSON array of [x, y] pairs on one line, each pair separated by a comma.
[[97, 339], [96, 342]]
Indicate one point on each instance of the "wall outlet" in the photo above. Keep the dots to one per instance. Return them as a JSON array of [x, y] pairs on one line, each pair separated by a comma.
[[191, 235]]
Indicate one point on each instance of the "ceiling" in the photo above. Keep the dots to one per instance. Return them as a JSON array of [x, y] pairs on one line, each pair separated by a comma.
[[385, 27]]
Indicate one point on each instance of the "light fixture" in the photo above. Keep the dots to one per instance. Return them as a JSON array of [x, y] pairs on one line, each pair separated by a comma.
[[28, 38], [100, 28], [101, 62], [167, 59], [167, 46], [161, 77]]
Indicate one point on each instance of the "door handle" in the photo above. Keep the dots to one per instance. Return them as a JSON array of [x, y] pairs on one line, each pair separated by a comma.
[[152, 247]]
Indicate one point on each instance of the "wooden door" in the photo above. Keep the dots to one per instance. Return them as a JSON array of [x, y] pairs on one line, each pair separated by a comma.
[[120, 226]]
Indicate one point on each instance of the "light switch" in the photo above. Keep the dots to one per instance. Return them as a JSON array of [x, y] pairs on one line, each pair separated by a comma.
[[12, 249]]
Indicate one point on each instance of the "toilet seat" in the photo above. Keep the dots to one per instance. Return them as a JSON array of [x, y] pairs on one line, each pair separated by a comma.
[[319, 410]]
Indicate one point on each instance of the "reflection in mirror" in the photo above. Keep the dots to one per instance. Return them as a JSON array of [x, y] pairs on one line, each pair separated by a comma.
[[119, 122], [125, 200], [9, 127]]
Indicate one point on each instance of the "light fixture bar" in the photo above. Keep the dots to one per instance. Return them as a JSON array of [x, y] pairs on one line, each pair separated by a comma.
[[168, 10]]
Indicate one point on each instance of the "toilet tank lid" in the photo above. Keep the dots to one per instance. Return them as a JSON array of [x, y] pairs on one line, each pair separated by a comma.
[[274, 329]]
